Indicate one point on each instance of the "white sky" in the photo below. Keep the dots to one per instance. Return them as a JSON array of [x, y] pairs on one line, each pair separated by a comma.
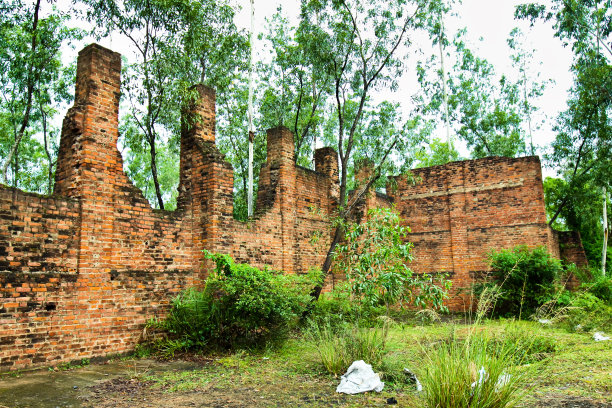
[[488, 24]]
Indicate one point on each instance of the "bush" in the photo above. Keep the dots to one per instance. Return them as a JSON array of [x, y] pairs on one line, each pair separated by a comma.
[[526, 279], [240, 306], [601, 287], [588, 312], [375, 257]]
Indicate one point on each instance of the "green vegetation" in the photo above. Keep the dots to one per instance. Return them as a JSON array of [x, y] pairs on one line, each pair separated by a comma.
[[544, 364], [525, 279], [375, 256], [240, 306]]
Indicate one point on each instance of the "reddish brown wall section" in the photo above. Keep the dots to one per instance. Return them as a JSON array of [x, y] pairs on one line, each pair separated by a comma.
[[461, 211], [81, 271]]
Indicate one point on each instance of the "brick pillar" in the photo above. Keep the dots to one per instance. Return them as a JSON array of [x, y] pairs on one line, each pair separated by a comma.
[[89, 164], [88, 145], [281, 156], [326, 162], [458, 226], [90, 169], [206, 179]]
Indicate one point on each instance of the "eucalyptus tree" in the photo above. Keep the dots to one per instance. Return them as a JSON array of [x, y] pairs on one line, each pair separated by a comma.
[[298, 84], [359, 44], [582, 149], [32, 79], [177, 44]]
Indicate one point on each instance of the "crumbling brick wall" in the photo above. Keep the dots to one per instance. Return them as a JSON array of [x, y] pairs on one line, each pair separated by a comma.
[[82, 270], [460, 211]]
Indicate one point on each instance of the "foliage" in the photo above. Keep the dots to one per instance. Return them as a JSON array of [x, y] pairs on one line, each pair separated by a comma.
[[239, 306], [177, 44], [491, 113], [452, 375], [33, 82], [374, 256], [582, 147], [588, 312], [525, 279], [579, 211], [601, 286]]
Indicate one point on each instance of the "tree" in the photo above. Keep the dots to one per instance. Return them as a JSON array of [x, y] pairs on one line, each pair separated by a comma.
[[358, 43], [582, 147], [177, 44], [33, 78], [298, 85]]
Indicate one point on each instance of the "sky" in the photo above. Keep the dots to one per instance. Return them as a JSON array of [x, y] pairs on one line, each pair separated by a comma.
[[488, 24]]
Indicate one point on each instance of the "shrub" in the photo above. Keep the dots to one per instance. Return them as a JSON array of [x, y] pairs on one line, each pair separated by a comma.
[[239, 306], [600, 286], [588, 312], [374, 256], [525, 277]]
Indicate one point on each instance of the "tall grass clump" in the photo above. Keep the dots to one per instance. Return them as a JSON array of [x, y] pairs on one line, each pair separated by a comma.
[[339, 346], [472, 373], [240, 306]]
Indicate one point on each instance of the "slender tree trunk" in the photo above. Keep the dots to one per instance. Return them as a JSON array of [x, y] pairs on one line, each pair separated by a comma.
[[158, 193], [251, 130], [47, 153], [30, 91], [604, 251], [444, 91]]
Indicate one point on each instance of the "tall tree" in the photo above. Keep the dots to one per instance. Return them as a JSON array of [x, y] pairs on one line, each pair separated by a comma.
[[582, 148], [31, 77], [177, 44], [359, 43]]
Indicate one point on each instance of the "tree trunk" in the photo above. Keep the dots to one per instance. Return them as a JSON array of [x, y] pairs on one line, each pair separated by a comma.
[[251, 130], [160, 201], [604, 251], [26, 117]]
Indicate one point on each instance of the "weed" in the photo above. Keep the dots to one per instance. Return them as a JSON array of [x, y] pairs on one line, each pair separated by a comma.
[[472, 374], [339, 346]]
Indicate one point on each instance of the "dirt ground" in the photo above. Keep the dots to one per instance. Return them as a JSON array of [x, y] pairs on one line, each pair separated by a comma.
[[203, 383]]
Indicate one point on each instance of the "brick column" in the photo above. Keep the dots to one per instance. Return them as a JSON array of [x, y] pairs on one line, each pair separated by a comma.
[[326, 162], [281, 156]]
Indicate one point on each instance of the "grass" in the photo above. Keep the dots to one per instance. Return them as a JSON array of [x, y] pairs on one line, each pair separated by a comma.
[[544, 363]]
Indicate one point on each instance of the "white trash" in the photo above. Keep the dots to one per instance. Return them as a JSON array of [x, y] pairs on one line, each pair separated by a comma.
[[360, 378], [413, 378], [482, 377], [544, 321], [599, 336]]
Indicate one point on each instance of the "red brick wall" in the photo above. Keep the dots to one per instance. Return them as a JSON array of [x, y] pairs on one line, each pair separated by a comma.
[[81, 271], [461, 211]]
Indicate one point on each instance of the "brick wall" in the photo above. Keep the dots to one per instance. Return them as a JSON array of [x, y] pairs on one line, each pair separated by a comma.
[[82, 270], [461, 211]]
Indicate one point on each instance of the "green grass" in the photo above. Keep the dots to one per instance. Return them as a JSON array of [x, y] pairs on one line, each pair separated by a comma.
[[545, 364]]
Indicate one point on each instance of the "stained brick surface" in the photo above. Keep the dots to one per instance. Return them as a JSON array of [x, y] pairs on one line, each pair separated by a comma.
[[82, 270]]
